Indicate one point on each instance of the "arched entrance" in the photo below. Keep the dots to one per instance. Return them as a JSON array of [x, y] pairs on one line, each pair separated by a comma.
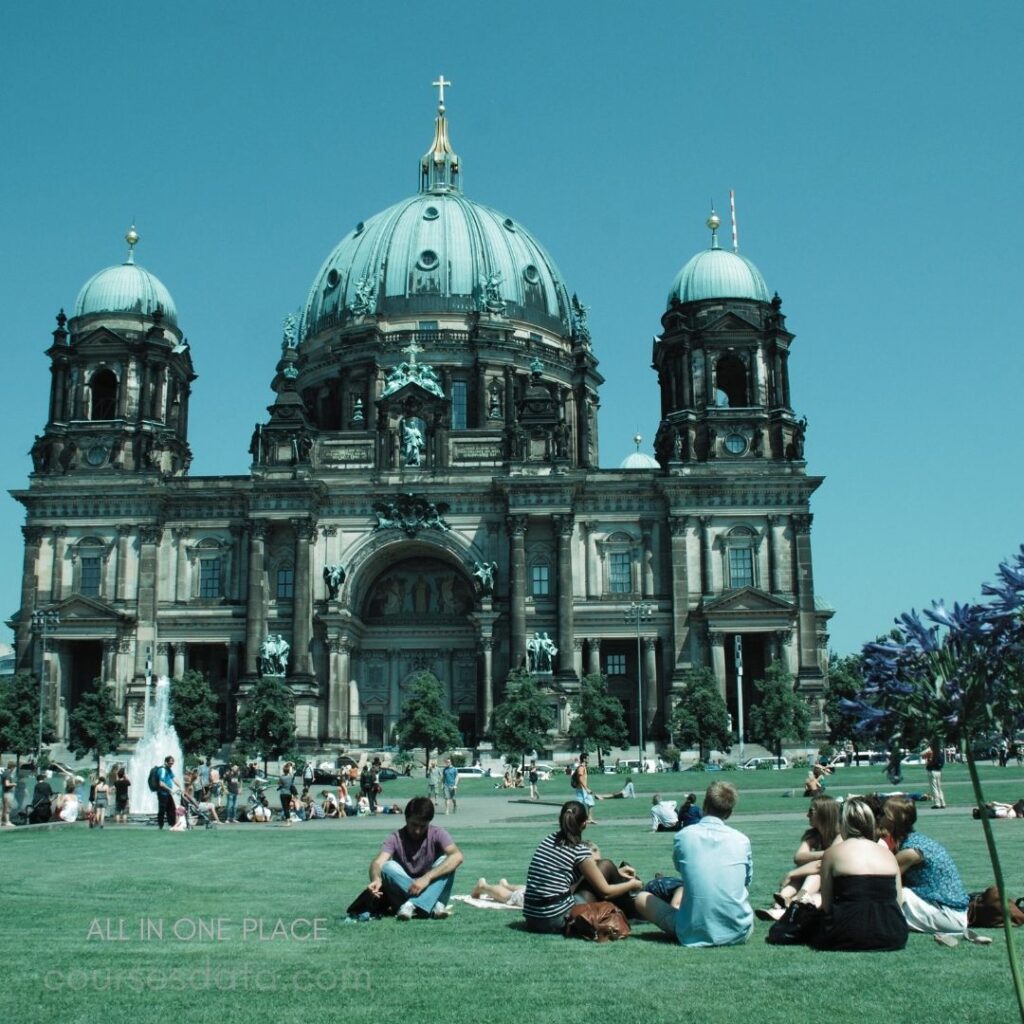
[[416, 616]]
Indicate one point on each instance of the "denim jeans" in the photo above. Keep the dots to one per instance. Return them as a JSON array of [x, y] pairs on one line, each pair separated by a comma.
[[397, 881], [232, 807]]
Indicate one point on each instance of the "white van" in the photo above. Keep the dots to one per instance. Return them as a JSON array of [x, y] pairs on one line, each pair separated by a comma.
[[753, 763]]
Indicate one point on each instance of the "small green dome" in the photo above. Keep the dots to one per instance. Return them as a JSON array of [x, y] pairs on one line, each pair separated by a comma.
[[718, 274], [639, 460], [126, 288], [439, 253]]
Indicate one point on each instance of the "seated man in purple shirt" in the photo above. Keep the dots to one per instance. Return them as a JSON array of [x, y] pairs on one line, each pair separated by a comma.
[[415, 869]]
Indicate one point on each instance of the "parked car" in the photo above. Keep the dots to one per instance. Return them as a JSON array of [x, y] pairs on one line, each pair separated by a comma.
[[473, 772], [707, 766], [545, 771], [387, 775], [753, 763], [912, 760]]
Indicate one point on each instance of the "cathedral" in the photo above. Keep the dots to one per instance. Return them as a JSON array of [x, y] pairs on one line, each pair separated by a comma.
[[424, 492]]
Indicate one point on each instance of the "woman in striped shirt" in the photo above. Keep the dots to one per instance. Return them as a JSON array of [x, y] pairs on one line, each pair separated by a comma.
[[560, 864]]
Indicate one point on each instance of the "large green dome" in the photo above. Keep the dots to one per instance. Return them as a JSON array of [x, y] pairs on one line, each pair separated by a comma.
[[438, 253], [719, 274], [126, 288]]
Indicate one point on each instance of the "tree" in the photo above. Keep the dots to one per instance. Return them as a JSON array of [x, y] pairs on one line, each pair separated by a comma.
[[425, 722], [599, 722], [96, 724], [845, 681], [781, 712], [701, 718], [266, 725], [520, 723], [19, 716], [194, 713]]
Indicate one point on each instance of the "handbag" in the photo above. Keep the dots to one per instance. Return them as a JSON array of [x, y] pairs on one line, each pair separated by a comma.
[[796, 927], [596, 922], [986, 910]]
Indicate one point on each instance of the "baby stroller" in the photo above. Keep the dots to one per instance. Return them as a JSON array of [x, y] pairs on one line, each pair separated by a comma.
[[193, 811]]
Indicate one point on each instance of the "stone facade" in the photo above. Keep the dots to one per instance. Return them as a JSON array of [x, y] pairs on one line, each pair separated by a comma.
[[449, 466]]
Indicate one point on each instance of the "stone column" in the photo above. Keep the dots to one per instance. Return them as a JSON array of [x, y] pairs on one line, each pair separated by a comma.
[[180, 665], [29, 594], [679, 526], [593, 656], [566, 633], [707, 577], [687, 378], [181, 592], [108, 665], [255, 613], [57, 572], [717, 641], [650, 682], [774, 579], [805, 595], [517, 590], [235, 581], [577, 656], [338, 690], [302, 628], [487, 649], [646, 559], [231, 683], [590, 562], [145, 634], [124, 534], [161, 663]]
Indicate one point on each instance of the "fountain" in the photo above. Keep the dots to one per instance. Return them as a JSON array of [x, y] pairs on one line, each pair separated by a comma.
[[158, 741]]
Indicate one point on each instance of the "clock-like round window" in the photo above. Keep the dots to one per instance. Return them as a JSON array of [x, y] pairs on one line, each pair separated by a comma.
[[735, 444], [428, 260], [96, 455]]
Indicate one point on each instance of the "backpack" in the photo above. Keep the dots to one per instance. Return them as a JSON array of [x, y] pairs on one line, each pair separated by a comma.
[[153, 779], [574, 779]]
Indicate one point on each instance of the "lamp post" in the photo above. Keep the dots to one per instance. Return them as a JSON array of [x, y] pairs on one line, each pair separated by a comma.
[[42, 623], [636, 613]]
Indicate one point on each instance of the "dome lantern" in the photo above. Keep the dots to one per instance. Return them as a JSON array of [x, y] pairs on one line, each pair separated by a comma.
[[439, 166]]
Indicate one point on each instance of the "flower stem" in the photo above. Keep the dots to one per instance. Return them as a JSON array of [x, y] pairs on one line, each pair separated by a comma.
[[997, 870]]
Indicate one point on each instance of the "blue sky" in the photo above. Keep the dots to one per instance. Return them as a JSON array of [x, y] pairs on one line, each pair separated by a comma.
[[875, 150]]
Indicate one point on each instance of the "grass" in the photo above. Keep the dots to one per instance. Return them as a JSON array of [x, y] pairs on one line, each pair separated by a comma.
[[478, 967]]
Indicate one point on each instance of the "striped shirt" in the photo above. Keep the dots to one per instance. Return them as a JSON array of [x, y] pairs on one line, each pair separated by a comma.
[[554, 870]]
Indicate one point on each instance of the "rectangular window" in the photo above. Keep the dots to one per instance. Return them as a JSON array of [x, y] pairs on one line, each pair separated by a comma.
[[540, 582], [620, 578], [209, 577], [615, 665], [741, 568], [90, 579], [285, 583], [429, 325], [459, 404]]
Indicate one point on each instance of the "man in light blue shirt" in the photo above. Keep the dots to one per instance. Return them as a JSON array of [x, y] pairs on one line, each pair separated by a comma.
[[715, 864]]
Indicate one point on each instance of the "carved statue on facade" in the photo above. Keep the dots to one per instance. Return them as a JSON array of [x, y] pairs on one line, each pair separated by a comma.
[[289, 331], [363, 304], [273, 657], [579, 318], [484, 572], [541, 651], [412, 443], [409, 513], [334, 576]]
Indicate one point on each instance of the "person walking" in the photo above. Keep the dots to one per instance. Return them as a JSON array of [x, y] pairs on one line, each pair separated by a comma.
[[433, 780], [286, 790], [450, 781], [534, 777], [166, 811], [934, 762]]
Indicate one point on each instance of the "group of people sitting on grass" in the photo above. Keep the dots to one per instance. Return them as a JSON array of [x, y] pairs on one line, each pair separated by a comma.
[[863, 871]]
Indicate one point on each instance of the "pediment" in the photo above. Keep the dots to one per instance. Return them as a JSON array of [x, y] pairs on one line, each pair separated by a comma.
[[747, 600], [81, 609], [731, 321], [99, 337], [411, 390]]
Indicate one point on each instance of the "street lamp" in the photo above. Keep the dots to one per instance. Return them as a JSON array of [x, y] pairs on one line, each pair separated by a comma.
[[637, 612], [42, 623]]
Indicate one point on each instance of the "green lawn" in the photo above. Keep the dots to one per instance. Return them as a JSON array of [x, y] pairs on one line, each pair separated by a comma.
[[74, 901]]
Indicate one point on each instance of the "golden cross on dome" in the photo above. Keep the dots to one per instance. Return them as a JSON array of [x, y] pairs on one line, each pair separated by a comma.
[[440, 83]]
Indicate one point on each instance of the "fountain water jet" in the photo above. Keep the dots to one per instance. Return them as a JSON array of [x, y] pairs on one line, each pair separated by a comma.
[[158, 741]]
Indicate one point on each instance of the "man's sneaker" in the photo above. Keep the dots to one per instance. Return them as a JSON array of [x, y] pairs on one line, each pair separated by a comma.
[[945, 939], [440, 910], [978, 939], [405, 911]]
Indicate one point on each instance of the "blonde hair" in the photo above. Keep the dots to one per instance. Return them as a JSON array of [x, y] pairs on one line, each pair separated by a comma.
[[858, 820]]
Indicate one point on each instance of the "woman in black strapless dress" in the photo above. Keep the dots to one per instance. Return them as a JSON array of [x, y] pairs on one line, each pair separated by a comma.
[[860, 889]]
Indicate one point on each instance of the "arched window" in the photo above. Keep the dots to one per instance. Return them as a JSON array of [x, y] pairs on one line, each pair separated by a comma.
[[739, 547], [103, 386], [731, 379]]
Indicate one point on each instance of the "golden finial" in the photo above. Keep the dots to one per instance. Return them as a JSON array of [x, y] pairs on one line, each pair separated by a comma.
[[132, 238]]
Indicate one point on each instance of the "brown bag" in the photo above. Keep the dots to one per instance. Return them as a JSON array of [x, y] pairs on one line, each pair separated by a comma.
[[596, 922], [986, 910]]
